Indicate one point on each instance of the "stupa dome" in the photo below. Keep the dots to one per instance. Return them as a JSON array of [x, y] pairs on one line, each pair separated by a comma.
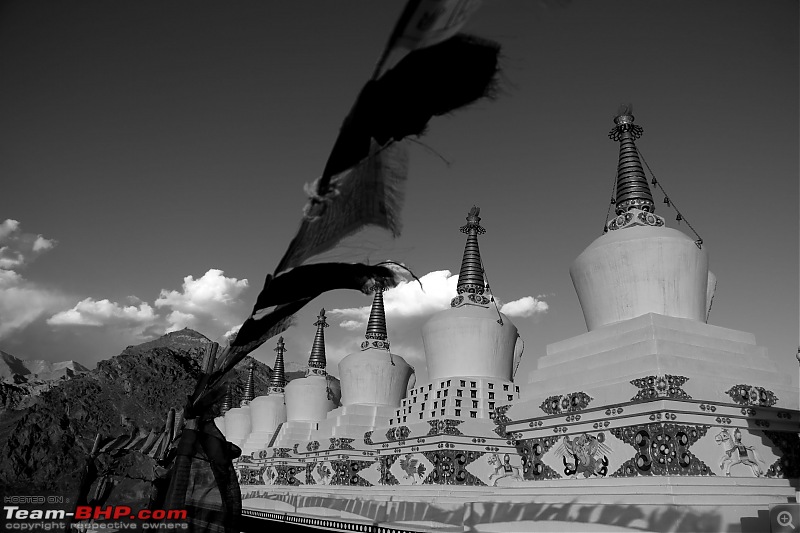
[[374, 376], [472, 338], [639, 265], [307, 399]]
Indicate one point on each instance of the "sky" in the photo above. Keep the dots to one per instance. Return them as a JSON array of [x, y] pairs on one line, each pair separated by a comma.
[[153, 157]]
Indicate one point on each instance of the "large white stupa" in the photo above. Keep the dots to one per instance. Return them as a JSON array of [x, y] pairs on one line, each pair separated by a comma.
[[269, 411]]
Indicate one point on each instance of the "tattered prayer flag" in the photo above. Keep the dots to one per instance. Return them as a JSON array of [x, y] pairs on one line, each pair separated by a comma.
[[428, 22]]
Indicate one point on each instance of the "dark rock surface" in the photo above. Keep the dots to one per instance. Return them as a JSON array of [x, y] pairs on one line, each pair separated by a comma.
[[43, 448]]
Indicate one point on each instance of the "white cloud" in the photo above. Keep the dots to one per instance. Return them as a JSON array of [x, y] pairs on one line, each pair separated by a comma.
[[10, 259], [7, 227], [42, 244], [524, 307], [23, 302], [208, 302], [89, 312]]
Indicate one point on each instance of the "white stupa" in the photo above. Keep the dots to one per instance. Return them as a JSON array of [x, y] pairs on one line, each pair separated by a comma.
[[269, 411], [237, 420]]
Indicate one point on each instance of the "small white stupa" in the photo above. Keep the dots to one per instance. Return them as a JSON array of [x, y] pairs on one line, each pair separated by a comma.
[[472, 338], [268, 411], [373, 381], [237, 420], [308, 399]]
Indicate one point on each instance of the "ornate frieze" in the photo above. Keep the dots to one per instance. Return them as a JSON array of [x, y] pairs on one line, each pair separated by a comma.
[[345, 472], [444, 427], [387, 478], [286, 475], [531, 451], [566, 403], [450, 467], [662, 449], [666, 386], [752, 395], [281, 452]]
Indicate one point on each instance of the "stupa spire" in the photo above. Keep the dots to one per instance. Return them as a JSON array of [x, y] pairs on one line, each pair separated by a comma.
[[227, 401], [249, 387], [376, 336], [316, 361], [278, 379], [470, 278], [633, 190]]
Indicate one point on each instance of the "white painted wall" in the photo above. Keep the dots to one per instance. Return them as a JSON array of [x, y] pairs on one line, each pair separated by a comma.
[[468, 341], [266, 412], [637, 270], [307, 399], [237, 425], [369, 378]]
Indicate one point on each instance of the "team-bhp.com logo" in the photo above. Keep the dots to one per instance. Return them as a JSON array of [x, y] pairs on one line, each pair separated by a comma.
[[88, 512]]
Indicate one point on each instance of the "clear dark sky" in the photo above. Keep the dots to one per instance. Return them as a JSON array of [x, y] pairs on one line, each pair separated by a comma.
[[143, 142]]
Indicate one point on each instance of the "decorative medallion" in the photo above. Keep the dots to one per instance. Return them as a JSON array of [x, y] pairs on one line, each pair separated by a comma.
[[398, 433], [449, 467], [751, 395], [531, 451], [502, 420], [381, 345], [345, 472], [566, 403], [312, 446], [444, 427], [368, 438], [263, 454], [319, 473], [737, 453], [340, 443], [666, 386], [312, 371], [662, 449], [788, 464], [584, 455]]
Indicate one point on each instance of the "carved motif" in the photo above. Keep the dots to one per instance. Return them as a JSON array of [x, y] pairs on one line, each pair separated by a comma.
[[566, 403], [286, 475], [450, 467], [312, 446], [251, 476], [502, 469], [737, 453], [444, 427], [666, 386], [342, 444], [751, 395], [412, 468], [584, 455], [387, 478], [531, 451], [398, 433], [368, 437], [281, 452], [662, 449], [501, 420]]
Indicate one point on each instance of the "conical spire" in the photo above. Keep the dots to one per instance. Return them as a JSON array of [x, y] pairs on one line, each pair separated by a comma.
[[316, 362], [470, 278], [227, 401], [633, 190], [376, 327], [249, 387], [278, 379]]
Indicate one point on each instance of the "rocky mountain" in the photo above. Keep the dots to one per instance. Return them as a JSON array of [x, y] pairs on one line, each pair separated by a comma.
[[22, 381], [43, 447]]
